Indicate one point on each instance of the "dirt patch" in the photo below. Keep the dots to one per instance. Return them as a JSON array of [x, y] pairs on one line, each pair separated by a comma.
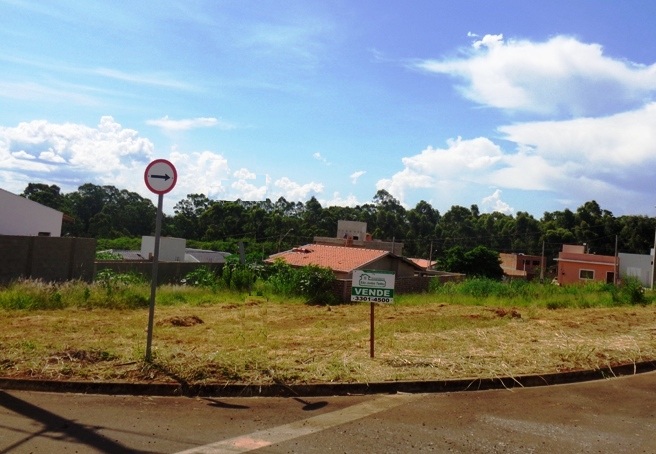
[[81, 356], [181, 320], [504, 312]]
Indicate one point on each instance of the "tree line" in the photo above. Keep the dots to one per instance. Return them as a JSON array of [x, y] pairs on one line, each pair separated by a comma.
[[267, 227]]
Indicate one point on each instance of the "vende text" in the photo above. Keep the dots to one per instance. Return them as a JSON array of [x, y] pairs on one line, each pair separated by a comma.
[[372, 292]]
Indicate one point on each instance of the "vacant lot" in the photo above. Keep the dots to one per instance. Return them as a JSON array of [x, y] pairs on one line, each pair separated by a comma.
[[253, 340]]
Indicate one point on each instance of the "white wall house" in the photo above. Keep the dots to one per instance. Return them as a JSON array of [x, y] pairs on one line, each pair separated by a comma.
[[24, 217], [640, 266], [170, 249]]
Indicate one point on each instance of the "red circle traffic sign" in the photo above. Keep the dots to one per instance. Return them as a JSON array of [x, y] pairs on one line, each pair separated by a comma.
[[160, 176]]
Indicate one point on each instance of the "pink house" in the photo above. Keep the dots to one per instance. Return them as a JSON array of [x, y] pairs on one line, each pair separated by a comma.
[[575, 266]]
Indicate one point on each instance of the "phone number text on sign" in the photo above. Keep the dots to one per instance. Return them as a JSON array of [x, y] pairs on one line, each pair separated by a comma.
[[371, 299]]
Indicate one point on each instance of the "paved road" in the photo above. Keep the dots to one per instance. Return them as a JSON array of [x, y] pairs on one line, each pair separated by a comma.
[[617, 415]]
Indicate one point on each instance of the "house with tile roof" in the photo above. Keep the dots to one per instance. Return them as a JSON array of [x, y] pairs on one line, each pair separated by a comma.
[[575, 266], [343, 260]]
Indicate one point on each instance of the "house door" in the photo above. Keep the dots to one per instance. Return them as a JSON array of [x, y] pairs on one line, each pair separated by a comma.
[[610, 277]]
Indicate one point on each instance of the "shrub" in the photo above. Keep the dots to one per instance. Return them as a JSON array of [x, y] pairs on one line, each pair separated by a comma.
[[311, 282], [630, 291], [315, 283], [200, 277]]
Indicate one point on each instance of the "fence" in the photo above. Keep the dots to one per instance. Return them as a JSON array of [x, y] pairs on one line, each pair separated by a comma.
[[52, 259]]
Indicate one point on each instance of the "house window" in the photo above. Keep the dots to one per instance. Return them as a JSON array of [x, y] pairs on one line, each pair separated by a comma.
[[586, 274]]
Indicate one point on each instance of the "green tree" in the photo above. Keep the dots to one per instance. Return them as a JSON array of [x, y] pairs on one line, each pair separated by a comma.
[[48, 195], [422, 221], [390, 217], [477, 262], [186, 221]]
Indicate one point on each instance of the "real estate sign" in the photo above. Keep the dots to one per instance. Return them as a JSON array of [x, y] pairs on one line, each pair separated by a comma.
[[373, 286]]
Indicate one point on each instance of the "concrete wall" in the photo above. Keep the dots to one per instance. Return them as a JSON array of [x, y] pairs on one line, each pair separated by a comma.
[[21, 216], [170, 249], [52, 259], [639, 266]]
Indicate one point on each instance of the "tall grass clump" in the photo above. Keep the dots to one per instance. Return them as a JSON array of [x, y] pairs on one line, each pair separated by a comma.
[[480, 291], [630, 291], [26, 294], [118, 290]]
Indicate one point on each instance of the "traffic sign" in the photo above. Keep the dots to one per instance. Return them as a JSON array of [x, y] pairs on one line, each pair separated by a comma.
[[160, 176]]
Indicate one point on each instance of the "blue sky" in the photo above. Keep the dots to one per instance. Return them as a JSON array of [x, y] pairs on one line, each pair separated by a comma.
[[510, 105]]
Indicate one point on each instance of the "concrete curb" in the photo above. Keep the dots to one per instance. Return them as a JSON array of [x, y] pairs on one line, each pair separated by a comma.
[[322, 389]]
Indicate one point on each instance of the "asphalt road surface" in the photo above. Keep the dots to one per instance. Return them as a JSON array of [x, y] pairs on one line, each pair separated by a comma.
[[608, 416]]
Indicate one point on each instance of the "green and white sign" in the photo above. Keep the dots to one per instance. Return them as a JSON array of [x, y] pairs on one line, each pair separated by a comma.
[[373, 286]]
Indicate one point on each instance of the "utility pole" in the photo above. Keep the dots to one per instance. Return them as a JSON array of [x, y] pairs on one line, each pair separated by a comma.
[[653, 262], [542, 265]]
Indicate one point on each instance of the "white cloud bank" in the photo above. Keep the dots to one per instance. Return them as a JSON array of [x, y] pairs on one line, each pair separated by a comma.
[[558, 76], [599, 141], [169, 125], [69, 155]]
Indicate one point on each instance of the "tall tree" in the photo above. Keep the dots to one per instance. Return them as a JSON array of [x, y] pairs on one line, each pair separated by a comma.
[[48, 195], [422, 221], [390, 217]]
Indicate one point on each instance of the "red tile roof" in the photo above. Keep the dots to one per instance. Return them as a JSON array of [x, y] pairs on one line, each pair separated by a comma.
[[424, 263], [337, 258]]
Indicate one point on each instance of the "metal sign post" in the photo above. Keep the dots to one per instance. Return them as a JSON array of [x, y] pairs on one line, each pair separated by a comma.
[[160, 177]]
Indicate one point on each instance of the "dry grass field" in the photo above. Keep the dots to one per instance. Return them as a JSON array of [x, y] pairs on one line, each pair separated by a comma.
[[254, 340]]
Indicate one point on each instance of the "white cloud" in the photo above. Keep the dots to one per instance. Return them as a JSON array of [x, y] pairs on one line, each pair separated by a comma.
[[244, 174], [291, 190], [621, 141], [488, 41], [355, 176], [156, 80], [200, 173], [493, 202], [71, 154], [22, 155], [248, 191], [464, 161], [559, 76], [338, 200], [167, 124], [320, 158]]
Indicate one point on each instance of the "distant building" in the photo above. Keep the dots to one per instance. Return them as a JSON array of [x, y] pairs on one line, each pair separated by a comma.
[[23, 217], [426, 264], [577, 266], [354, 234], [521, 265], [171, 250], [639, 266]]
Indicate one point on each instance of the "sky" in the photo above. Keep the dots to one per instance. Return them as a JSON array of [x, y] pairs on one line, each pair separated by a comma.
[[509, 105]]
